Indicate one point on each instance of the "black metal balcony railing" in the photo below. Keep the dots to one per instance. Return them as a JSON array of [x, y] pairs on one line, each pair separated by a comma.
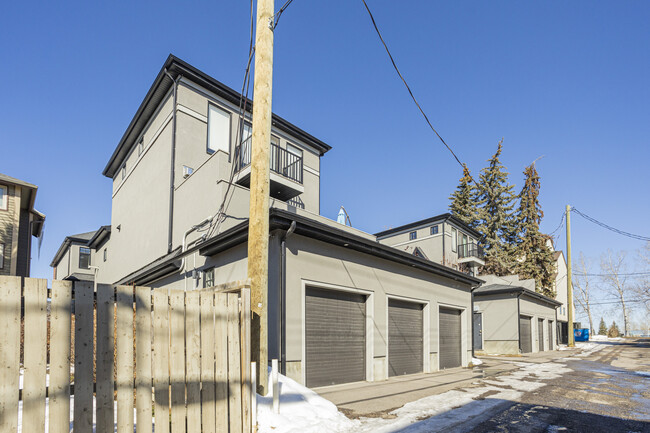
[[470, 250], [283, 162]]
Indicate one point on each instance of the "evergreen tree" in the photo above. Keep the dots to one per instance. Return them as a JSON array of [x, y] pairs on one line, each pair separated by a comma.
[[496, 220], [613, 331], [602, 328], [534, 257], [463, 200]]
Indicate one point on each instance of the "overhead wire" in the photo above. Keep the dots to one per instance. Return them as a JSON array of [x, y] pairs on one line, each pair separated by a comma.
[[278, 14], [610, 228]]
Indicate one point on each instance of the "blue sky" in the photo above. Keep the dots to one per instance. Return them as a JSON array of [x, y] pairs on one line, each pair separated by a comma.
[[567, 81]]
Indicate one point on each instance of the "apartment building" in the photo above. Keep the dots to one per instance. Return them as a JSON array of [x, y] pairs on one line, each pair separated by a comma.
[[180, 204], [73, 258], [443, 239], [19, 221]]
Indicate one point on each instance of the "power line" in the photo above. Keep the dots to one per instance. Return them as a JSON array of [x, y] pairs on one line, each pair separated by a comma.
[[278, 14], [618, 302], [610, 228], [628, 274], [374, 23], [560, 226]]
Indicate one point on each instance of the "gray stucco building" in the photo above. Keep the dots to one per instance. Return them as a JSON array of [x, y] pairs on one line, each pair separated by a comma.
[[337, 296]]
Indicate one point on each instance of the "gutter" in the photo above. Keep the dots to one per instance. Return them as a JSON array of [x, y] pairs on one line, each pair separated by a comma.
[[283, 292], [173, 162]]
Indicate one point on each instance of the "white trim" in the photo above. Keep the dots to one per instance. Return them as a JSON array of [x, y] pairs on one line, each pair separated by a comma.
[[370, 322], [4, 204], [310, 170], [426, 327], [418, 239], [192, 113]]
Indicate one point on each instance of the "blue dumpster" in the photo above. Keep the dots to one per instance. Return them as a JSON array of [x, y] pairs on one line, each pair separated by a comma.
[[581, 334]]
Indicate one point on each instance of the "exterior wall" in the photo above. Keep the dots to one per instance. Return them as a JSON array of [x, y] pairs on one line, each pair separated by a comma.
[[538, 310], [69, 263], [97, 259], [314, 263], [500, 323], [141, 201], [8, 227], [561, 289], [24, 240]]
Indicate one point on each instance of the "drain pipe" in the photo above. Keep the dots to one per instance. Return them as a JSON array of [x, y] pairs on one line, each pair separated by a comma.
[[186, 234], [173, 161], [283, 290]]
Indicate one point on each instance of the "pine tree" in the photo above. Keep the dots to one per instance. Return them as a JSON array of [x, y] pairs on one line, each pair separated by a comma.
[[534, 257], [602, 328], [463, 200], [613, 331], [496, 221]]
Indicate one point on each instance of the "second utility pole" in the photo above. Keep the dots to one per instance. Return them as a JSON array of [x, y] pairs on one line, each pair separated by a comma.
[[258, 222], [569, 285]]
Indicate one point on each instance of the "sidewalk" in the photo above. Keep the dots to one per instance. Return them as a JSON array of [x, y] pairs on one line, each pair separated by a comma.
[[377, 398]]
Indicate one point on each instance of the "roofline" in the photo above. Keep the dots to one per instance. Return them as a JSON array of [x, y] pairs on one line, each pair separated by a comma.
[[64, 245], [442, 217], [521, 291], [99, 235], [175, 67]]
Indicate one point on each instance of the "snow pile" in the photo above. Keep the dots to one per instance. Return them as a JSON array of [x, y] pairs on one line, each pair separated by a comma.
[[301, 411], [476, 361], [643, 373]]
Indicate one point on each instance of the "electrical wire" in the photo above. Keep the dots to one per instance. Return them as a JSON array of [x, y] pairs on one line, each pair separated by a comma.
[[374, 23], [560, 226], [278, 14], [629, 274], [610, 228]]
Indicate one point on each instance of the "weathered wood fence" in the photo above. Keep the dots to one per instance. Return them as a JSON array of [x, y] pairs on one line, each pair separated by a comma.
[[136, 358]]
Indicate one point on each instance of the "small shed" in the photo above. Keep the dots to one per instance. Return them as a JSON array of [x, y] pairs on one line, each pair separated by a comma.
[[512, 319]]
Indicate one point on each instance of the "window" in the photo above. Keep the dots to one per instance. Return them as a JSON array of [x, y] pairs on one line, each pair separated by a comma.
[[454, 239], [84, 258], [218, 129], [105, 253], [123, 171], [294, 150], [208, 278], [413, 236], [187, 171], [2, 256], [434, 230], [140, 146], [4, 198]]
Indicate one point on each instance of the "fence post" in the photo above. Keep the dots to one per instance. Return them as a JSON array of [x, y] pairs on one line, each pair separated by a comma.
[[83, 357], [254, 396], [60, 338], [10, 288]]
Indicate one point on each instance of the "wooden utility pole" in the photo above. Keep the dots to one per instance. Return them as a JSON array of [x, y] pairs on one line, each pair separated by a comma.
[[569, 286], [258, 223]]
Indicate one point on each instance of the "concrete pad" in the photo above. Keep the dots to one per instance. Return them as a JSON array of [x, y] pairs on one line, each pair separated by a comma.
[[378, 398]]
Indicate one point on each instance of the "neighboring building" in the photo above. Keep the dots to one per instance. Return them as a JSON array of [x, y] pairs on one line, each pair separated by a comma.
[[561, 294], [511, 318], [19, 221], [336, 295], [442, 239], [73, 259]]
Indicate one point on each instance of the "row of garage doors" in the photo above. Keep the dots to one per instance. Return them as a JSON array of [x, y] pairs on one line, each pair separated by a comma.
[[526, 334], [335, 337]]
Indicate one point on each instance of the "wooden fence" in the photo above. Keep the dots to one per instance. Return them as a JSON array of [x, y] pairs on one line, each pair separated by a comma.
[[136, 358]]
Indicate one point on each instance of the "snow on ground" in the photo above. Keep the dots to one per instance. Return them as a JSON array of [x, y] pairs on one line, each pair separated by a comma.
[[476, 361], [302, 410], [643, 373], [603, 338]]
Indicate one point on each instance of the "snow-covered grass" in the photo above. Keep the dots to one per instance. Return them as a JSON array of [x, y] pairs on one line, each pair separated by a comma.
[[604, 338]]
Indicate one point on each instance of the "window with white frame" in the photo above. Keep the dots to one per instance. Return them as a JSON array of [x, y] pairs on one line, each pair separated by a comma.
[[218, 129], [2, 256], [4, 197]]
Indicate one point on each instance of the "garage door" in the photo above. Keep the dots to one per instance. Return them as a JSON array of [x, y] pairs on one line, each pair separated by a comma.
[[550, 335], [525, 335], [335, 337], [405, 338], [450, 338]]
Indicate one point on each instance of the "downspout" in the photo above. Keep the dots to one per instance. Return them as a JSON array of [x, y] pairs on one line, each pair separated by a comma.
[[173, 161], [283, 290]]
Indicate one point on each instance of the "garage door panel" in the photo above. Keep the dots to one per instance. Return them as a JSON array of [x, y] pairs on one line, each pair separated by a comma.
[[405, 338], [540, 334], [450, 338], [550, 335], [525, 335], [335, 336]]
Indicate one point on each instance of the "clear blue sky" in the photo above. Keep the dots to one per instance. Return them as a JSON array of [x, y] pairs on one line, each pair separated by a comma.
[[568, 81]]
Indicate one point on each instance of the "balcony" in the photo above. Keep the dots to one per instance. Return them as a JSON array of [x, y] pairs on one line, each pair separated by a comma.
[[286, 171], [471, 254]]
